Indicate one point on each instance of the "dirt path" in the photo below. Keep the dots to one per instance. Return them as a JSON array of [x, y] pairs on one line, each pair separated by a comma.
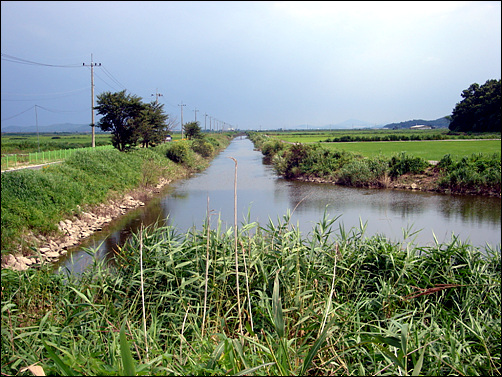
[[39, 166]]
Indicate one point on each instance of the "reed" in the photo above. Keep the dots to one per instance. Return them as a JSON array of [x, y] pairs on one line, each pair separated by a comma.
[[237, 285], [331, 302]]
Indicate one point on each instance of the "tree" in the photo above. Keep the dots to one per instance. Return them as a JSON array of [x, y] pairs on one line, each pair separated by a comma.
[[479, 111], [151, 124], [120, 115], [192, 130]]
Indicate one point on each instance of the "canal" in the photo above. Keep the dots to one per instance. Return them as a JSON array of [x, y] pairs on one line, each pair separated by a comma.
[[262, 196]]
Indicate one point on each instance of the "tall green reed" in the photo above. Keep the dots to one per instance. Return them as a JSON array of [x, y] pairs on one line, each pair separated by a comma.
[[330, 302]]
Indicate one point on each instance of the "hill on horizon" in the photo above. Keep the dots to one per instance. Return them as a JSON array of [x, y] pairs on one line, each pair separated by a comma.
[[437, 123]]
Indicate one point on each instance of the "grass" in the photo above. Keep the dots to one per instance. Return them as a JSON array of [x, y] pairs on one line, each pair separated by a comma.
[[36, 200], [428, 150], [332, 302]]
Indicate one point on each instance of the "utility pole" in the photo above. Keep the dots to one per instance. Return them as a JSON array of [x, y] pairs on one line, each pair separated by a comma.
[[195, 111], [157, 95], [36, 121], [205, 121], [181, 105], [92, 65]]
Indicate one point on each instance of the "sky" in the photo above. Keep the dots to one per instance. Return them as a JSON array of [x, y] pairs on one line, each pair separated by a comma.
[[247, 65]]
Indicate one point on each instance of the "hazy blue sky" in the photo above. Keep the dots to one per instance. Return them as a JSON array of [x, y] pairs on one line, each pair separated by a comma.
[[248, 64]]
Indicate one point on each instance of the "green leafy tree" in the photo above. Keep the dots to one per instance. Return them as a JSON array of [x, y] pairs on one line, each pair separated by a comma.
[[120, 115], [192, 130], [479, 111], [151, 124]]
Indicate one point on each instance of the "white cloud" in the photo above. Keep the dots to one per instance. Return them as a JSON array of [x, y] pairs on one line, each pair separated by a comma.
[[364, 10]]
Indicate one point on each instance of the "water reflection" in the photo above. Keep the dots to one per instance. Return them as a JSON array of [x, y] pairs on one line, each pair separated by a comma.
[[263, 196]]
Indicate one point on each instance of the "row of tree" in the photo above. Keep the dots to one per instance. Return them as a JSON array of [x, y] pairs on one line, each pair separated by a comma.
[[132, 122], [480, 109]]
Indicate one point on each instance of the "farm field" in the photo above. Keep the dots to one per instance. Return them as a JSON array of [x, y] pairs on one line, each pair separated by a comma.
[[320, 136], [429, 150], [457, 146], [29, 142]]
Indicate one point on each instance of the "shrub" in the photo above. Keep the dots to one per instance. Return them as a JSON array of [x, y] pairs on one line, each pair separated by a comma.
[[181, 153], [402, 164], [323, 162], [202, 147], [272, 147], [293, 157], [364, 172], [446, 163], [215, 143], [472, 173]]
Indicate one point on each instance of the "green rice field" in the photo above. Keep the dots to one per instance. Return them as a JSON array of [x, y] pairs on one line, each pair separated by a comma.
[[429, 150], [457, 146]]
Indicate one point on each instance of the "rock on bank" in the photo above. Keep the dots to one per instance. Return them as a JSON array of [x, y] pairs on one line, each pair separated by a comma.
[[75, 230]]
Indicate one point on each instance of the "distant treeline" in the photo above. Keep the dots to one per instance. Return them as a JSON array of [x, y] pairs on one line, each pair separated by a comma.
[[388, 137], [402, 137]]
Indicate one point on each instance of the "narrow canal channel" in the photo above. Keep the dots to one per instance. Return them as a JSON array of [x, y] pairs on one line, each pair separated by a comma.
[[263, 196]]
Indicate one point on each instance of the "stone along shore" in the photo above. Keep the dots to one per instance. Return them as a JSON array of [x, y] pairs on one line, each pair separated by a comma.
[[76, 229]]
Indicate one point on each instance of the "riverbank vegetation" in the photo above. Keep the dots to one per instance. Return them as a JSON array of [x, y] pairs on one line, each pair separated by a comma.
[[478, 173], [34, 201], [260, 300]]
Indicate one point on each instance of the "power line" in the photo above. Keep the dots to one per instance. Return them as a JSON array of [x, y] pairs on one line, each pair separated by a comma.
[[61, 111], [44, 94], [107, 83], [18, 114], [46, 109], [14, 59], [57, 95], [112, 77]]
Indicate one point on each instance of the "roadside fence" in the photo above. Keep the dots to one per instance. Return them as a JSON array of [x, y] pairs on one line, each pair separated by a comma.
[[15, 160]]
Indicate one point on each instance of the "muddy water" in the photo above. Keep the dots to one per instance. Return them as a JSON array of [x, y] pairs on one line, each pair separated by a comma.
[[263, 196]]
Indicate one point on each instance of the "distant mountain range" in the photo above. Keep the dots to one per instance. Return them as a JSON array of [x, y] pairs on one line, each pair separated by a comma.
[[438, 123], [355, 123], [348, 124]]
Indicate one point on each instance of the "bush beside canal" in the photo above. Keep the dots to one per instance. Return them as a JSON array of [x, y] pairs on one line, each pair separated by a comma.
[[475, 174], [35, 201], [269, 302]]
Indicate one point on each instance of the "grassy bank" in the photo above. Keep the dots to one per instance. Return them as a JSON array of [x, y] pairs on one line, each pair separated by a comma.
[[34, 201], [477, 173], [268, 301]]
